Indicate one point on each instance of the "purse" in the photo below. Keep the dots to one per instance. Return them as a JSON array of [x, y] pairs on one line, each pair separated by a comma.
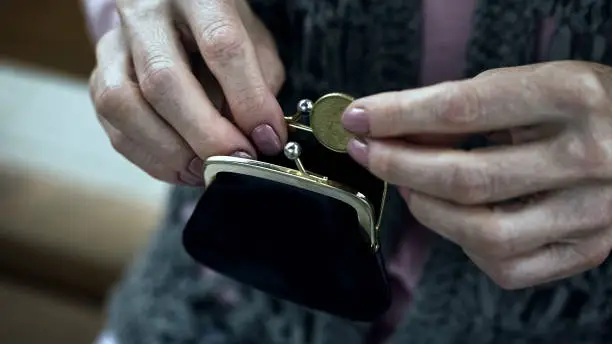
[[302, 226]]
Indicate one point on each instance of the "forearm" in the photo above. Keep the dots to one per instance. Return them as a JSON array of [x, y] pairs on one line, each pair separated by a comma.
[[101, 16]]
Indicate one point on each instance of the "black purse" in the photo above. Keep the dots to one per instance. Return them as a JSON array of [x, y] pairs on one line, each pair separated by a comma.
[[302, 226]]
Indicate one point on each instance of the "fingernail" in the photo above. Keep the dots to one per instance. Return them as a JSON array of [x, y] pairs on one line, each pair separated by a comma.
[[358, 150], [196, 166], [266, 139], [189, 179], [356, 121], [241, 154]]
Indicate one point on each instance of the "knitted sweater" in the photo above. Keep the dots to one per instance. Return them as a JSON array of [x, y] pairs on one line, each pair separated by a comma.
[[325, 46]]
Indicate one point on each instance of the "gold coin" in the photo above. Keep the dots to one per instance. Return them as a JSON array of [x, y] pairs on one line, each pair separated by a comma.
[[326, 121]]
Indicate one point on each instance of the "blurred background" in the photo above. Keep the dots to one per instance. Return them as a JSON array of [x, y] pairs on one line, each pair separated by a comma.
[[72, 211]]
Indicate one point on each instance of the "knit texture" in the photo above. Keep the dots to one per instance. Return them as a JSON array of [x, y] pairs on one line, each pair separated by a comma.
[[363, 47]]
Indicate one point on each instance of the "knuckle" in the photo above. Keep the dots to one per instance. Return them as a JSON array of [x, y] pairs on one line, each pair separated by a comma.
[[211, 142], [180, 155], [251, 100], [494, 241], [589, 92], [221, 41], [157, 170], [275, 77], [470, 185], [119, 142], [577, 87], [461, 106], [593, 257], [384, 165], [279, 76], [597, 212], [133, 9], [581, 154], [598, 257], [110, 102], [504, 275], [158, 78], [162, 175]]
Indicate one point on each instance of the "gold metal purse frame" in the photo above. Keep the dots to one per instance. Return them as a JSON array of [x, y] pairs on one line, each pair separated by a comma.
[[325, 124]]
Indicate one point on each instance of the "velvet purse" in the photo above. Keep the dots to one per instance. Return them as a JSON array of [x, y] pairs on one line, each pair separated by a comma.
[[302, 226]]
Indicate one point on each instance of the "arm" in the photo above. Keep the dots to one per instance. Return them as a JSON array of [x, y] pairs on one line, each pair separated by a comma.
[[101, 16]]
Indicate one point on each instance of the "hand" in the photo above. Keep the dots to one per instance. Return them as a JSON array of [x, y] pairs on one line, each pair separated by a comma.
[[167, 120], [553, 127]]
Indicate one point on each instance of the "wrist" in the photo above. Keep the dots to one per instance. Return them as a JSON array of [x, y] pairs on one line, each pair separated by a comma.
[[101, 16]]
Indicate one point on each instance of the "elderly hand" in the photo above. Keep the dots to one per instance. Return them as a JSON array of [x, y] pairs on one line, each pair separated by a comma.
[[166, 119], [554, 123]]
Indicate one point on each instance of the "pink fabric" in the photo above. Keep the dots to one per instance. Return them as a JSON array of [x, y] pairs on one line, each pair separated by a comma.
[[446, 29]]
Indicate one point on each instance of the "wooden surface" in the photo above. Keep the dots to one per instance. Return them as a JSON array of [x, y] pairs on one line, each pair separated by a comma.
[[35, 316], [65, 236], [48, 33], [62, 244]]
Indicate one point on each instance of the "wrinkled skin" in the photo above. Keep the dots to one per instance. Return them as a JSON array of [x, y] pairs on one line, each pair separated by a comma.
[[533, 208], [181, 80], [167, 115]]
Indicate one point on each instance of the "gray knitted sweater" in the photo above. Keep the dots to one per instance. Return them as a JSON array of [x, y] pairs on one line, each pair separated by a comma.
[[363, 47]]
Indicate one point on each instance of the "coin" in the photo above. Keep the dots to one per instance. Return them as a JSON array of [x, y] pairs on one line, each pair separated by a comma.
[[326, 121]]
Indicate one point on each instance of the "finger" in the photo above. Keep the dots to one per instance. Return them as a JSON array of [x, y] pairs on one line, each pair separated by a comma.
[[519, 135], [547, 93], [213, 90], [469, 177], [231, 57], [146, 161], [547, 264], [265, 48], [437, 140], [169, 86], [563, 217], [118, 100]]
